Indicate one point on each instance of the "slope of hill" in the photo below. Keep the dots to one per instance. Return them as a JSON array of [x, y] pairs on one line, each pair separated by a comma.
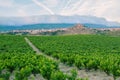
[[4, 28], [79, 29], [56, 19]]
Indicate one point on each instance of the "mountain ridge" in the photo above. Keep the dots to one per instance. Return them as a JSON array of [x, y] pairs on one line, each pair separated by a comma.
[[56, 19]]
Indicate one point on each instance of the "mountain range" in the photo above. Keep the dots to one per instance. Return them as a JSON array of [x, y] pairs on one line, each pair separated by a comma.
[[87, 20]]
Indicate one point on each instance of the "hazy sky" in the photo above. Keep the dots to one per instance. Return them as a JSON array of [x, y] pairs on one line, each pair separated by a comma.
[[109, 9]]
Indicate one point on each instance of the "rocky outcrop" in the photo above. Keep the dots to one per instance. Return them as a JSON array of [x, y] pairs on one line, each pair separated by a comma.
[[79, 29], [78, 26]]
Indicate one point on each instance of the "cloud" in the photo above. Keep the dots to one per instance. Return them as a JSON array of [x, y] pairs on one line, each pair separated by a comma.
[[52, 3], [108, 9], [6, 3], [45, 7], [67, 4], [21, 12]]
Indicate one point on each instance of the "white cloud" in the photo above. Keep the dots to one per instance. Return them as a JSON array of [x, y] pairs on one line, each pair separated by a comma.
[[108, 9], [51, 3], [21, 12], [67, 4], [6, 3], [44, 6]]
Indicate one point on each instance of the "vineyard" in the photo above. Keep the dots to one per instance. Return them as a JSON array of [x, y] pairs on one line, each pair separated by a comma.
[[19, 62], [10, 44], [83, 51]]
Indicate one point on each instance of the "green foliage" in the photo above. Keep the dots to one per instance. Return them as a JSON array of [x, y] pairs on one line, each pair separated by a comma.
[[73, 75], [12, 44], [5, 75], [26, 64], [84, 51], [58, 76], [17, 57]]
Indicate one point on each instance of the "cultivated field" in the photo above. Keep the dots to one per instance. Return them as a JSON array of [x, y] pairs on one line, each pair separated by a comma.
[[83, 51], [18, 61]]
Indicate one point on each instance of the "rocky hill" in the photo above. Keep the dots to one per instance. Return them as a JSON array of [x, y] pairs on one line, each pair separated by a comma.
[[79, 29]]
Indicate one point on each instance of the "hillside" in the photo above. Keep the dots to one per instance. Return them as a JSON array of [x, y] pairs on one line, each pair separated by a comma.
[[64, 29], [82, 19], [79, 29]]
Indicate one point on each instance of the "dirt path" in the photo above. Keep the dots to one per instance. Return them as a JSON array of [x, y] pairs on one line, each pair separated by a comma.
[[32, 46], [61, 65], [91, 75]]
